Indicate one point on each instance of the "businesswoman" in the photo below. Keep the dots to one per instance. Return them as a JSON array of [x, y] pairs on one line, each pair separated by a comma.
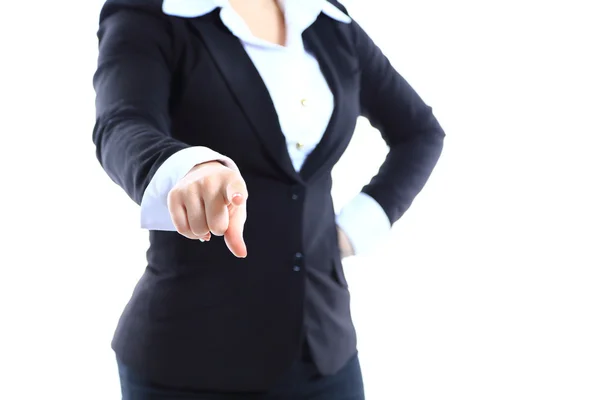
[[223, 120]]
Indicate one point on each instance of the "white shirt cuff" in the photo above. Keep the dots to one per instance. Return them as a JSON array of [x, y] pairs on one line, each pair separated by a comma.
[[364, 222], [154, 213]]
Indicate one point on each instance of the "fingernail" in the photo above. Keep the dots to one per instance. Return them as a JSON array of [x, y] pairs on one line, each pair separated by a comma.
[[202, 240]]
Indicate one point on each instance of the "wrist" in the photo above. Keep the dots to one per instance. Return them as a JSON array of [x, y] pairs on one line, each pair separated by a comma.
[[206, 164]]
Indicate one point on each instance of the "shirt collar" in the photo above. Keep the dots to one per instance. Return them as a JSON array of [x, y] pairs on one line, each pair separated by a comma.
[[296, 11]]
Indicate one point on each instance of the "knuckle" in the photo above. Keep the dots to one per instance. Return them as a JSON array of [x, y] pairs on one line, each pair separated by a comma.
[[205, 180], [218, 223], [173, 197], [185, 232], [198, 227], [197, 233], [219, 229], [181, 228], [192, 189], [208, 184]]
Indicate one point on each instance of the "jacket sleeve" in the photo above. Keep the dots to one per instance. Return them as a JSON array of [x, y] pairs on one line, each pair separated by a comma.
[[132, 84], [407, 124]]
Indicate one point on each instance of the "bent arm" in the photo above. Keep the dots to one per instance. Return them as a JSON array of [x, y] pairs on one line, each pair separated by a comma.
[[407, 124], [132, 132]]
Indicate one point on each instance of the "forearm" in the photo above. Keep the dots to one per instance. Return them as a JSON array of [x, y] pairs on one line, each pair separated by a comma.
[[405, 172], [131, 150]]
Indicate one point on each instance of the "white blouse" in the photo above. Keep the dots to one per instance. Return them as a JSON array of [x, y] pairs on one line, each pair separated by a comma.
[[302, 99]]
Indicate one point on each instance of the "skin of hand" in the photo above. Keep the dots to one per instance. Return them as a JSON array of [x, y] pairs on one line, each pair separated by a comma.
[[346, 248], [211, 200]]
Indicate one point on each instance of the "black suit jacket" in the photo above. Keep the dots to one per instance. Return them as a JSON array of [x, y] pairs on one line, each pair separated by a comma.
[[200, 317]]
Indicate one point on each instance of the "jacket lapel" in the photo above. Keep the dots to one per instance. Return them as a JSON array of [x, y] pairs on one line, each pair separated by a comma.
[[318, 41], [248, 88]]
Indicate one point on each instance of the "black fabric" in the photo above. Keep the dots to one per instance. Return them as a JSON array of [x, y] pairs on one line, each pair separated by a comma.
[[301, 381], [199, 317]]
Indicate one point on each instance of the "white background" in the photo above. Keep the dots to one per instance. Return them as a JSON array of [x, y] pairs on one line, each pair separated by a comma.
[[488, 288]]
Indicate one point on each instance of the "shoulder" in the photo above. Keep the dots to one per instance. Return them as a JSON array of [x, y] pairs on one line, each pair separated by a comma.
[[136, 18], [147, 4], [339, 6], [137, 26], [143, 6], [350, 29]]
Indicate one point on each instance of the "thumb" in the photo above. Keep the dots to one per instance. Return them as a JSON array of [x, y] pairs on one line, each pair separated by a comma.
[[236, 193]]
